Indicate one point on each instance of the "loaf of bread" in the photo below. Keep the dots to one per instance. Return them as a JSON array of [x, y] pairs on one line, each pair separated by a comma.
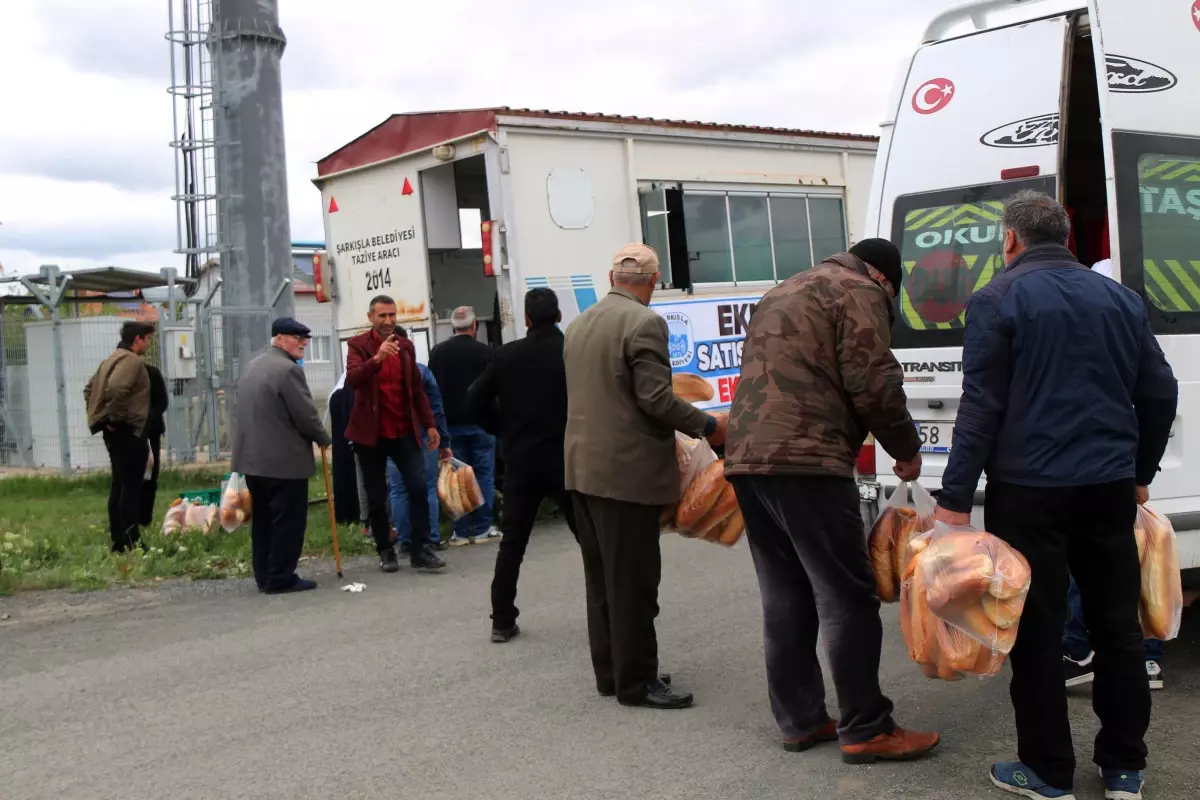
[[701, 495], [890, 546], [173, 521], [731, 532], [881, 543], [1003, 613], [1162, 587], [959, 651], [713, 522], [691, 387]]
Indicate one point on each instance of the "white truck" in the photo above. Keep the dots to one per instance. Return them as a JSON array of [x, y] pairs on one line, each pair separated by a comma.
[[1092, 101], [439, 210]]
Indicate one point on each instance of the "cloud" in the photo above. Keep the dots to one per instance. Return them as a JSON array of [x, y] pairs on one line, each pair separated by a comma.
[[86, 173]]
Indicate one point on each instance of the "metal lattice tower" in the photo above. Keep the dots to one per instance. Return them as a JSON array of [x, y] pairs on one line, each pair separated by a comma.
[[200, 232]]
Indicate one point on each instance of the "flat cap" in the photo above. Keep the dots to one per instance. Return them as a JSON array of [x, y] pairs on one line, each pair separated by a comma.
[[286, 326]]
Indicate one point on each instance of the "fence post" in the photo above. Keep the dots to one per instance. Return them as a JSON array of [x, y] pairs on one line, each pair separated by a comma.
[[50, 299]]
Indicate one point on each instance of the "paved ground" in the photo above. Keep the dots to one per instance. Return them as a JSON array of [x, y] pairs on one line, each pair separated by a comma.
[[213, 691]]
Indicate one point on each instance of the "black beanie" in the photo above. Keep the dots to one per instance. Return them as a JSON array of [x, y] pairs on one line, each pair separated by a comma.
[[883, 256]]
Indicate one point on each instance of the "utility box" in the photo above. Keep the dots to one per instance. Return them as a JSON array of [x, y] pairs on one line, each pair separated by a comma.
[[180, 344]]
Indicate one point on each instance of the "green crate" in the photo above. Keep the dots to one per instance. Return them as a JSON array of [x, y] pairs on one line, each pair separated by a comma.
[[209, 497]]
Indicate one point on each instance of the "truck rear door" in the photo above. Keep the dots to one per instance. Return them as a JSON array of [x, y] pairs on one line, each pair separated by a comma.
[[1151, 126], [978, 121]]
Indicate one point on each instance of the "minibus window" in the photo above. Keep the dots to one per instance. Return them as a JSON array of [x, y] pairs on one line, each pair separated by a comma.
[[951, 244], [1169, 196]]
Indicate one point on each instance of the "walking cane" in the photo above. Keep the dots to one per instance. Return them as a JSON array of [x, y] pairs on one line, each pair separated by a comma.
[[337, 554]]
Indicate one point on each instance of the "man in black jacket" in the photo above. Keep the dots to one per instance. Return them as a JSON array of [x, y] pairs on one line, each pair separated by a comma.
[[524, 394], [456, 363]]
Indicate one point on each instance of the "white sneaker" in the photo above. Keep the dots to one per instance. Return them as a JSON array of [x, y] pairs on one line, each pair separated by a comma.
[[1155, 674], [493, 534], [460, 541]]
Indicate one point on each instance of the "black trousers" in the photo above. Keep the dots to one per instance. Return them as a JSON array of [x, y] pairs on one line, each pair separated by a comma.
[[150, 487], [410, 461], [1088, 530], [277, 529], [127, 453], [622, 567], [814, 574], [523, 496]]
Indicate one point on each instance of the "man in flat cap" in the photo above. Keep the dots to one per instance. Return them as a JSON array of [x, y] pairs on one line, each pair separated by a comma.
[[622, 415], [277, 425]]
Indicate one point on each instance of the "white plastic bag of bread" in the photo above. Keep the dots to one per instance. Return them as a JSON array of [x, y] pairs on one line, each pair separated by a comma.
[[458, 490], [173, 521], [692, 455], [199, 518], [907, 513], [975, 583], [942, 651], [235, 503], [708, 507], [1162, 588]]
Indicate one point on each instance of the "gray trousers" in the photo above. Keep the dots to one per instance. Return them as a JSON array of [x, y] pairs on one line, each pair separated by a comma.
[[814, 574]]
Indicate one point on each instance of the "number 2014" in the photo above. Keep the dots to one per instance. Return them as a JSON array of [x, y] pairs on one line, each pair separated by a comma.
[[379, 279]]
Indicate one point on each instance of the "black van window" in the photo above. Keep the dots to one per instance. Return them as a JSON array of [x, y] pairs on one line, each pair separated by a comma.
[[1158, 215], [951, 245]]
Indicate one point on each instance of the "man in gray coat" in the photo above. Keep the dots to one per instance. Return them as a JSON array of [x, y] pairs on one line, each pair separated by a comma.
[[277, 424], [622, 415]]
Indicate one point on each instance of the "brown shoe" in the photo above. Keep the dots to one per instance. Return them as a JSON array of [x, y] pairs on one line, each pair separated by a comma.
[[825, 733], [899, 745]]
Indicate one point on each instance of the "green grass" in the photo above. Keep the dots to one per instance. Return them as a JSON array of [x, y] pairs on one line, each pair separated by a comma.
[[54, 535]]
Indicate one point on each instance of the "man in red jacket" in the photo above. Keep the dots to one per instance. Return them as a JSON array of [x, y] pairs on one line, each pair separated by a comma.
[[390, 410]]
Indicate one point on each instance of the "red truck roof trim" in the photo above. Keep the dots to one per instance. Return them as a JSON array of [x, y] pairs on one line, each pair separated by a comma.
[[401, 134]]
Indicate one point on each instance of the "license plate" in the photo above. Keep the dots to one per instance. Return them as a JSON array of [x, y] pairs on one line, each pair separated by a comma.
[[936, 437]]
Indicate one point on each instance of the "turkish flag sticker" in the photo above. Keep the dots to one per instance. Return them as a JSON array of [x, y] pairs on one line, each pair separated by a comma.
[[1196, 14], [932, 96]]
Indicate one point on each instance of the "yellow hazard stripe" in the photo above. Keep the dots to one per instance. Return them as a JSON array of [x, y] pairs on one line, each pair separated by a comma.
[[1181, 274], [919, 219], [1175, 301], [1186, 169], [1159, 166]]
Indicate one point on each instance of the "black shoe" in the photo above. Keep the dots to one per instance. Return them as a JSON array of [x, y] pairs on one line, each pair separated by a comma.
[[405, 548], [388, 561], [427, 561], [440, 546], [1078, 673], [502, 635], [301, 585], [660, 696], [610, 690]]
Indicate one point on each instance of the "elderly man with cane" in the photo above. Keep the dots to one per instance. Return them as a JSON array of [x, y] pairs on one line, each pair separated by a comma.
[[277, 425]]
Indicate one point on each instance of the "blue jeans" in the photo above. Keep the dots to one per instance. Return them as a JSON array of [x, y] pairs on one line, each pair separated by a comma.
[[476, 447], [1075, 634], [399, 498]]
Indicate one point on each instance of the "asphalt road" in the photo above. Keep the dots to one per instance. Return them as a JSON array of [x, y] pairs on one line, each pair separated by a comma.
[[211, 690]]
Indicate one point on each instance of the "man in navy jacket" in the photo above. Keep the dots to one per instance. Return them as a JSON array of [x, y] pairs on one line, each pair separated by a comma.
[[1067, 404]]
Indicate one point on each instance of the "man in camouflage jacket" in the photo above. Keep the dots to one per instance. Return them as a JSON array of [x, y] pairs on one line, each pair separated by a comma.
[[818, 375]]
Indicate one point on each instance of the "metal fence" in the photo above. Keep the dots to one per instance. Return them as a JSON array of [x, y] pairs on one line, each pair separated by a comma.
[[43, 417]]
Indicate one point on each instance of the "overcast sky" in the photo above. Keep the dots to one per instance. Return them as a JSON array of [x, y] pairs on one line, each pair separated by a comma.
[[86, 174]]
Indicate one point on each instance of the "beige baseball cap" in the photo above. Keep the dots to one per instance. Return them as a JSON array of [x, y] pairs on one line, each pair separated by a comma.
[[636, 258]]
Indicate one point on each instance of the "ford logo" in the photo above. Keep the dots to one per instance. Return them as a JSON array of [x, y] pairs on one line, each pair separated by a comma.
[[1032, 132], [1128, 75]]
